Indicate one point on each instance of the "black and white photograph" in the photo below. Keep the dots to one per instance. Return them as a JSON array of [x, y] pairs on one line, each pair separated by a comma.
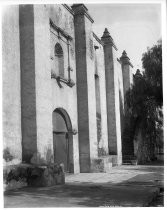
[[83, 103]]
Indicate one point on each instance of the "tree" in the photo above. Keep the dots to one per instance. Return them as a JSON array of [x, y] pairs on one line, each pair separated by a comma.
[[152, 63], [144, 100]]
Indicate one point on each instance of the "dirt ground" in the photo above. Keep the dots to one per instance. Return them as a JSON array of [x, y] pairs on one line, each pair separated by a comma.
[[130, 186]]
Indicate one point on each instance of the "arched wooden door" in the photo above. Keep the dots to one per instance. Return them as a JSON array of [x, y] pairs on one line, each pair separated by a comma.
[[62, 138]]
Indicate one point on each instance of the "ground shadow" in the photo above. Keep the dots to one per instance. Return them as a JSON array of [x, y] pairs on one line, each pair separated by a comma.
[[87, 194]]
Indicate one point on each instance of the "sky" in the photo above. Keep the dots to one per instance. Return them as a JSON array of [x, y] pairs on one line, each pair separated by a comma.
[[134, 27]]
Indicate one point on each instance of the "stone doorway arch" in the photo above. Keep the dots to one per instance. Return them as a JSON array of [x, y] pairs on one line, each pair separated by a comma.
[[63, 139]]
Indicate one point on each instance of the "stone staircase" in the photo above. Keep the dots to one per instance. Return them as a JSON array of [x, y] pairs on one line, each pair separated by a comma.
[[128, 157], [129, 160], [128, 147]]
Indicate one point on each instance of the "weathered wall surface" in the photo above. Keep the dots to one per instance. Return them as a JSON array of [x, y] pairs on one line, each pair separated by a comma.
[[87, 125], [11, 81], [33, 101], [121, 93], [127, 134], [65, 97], [110, 95], [82, 98], [127, 75], [43, 81], [62, 18], [101, 73], [91, 90], [118, 90], [112, 71]]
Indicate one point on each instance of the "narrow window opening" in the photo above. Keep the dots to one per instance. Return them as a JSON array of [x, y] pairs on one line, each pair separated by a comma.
[[98, 108], [59, 61]]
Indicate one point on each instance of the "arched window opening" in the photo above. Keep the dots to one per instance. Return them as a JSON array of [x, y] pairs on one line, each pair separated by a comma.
[[59, 59]]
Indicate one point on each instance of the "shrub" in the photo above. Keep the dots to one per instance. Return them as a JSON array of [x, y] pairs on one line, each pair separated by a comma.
[[6, 155]]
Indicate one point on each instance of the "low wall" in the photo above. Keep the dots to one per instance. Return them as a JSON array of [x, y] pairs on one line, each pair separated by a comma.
[[21, 175], [104, 164]]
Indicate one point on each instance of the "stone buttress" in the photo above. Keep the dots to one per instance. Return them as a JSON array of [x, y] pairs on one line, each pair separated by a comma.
[[112, 96], [127, 133], [85, 87]]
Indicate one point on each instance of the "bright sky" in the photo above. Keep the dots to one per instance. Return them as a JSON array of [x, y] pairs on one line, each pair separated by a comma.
[[134, 27]]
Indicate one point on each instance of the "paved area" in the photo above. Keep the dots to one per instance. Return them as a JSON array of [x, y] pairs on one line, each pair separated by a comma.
[[124, 186], [120, 174]]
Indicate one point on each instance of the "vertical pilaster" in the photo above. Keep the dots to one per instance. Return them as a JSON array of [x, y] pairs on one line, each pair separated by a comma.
[[36, 103], [126, 72], [127, 131], [112, 96], [85, 87], [43, 82], [100, 71], [28, 86]]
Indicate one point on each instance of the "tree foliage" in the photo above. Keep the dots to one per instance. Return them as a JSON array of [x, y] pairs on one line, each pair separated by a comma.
[[144, 100], [152, 63]]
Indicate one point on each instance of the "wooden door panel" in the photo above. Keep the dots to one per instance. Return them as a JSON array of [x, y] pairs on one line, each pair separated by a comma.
[[60, 149]]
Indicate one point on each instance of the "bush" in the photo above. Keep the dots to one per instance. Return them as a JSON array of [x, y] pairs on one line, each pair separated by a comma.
[[33, 175], [101, 152], [6, 155]]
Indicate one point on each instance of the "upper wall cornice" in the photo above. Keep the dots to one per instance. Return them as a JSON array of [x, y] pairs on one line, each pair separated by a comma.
[[125, 59], [107, 39], [68, 8], [81, 9], [97, 38]]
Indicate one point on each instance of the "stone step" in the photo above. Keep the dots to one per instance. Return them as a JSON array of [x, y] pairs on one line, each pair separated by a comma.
[[129, 160], [104, 163]]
